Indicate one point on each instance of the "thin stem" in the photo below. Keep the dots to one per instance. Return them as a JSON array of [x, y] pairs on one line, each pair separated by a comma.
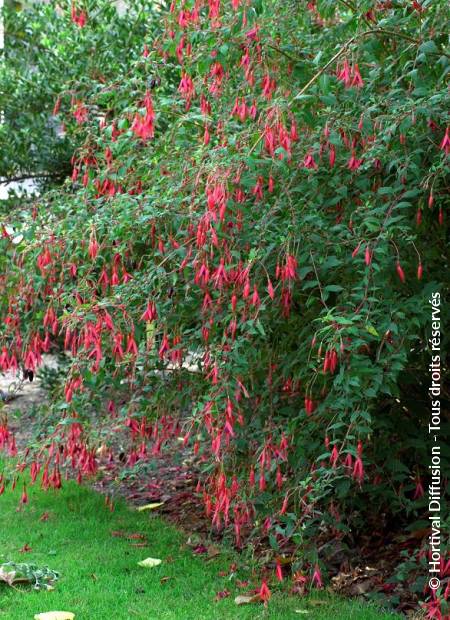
[[318, 281], [280, 51]]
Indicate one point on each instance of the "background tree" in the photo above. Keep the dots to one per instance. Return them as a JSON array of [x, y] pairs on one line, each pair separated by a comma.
[[46, 64]]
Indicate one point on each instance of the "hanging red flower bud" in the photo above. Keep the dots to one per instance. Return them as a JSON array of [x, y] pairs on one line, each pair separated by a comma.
[[419, 271], [285, 504], [358, 471], [400, 272], [206, 136], [93, 247], [279, 478], [262, 481], [334, 456], [279, 571], [24, 496], [331, 156], [356, 250]]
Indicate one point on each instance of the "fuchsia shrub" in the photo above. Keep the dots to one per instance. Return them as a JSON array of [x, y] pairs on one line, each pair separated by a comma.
[[264, 192]]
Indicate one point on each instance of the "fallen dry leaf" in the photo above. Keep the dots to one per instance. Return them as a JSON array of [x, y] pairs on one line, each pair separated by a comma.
[[195, 541], [213, 551], [149, 562], [151, 506], [284, 560], [164, 580], [245, 599], [223, 594], [8, 575], [55, 615]]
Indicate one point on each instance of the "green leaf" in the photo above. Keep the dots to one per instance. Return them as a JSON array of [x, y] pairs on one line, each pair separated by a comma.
[[371, 330]]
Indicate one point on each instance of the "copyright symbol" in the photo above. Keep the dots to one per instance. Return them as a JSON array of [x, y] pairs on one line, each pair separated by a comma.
[[434, 583]]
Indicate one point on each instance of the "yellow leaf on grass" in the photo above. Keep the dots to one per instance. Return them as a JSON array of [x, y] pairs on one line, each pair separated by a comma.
[[150, 562], [150, 506], [55, 615]]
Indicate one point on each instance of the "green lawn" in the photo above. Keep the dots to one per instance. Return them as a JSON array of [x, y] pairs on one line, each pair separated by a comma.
[[100, 578]]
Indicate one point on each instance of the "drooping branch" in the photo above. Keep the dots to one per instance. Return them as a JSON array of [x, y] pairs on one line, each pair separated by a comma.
[[338, 54], [26, 177], [346, 45]]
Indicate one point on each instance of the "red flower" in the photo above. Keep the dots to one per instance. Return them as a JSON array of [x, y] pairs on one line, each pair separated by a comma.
[[80, 112], [309, 162], [150, 313], [317, 577], [445, 144], [131, 345], [264, 592], [78, 18], [143, 126], [93, 247], [354, 163], [357, 79], [419, 492], [344, 75]]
